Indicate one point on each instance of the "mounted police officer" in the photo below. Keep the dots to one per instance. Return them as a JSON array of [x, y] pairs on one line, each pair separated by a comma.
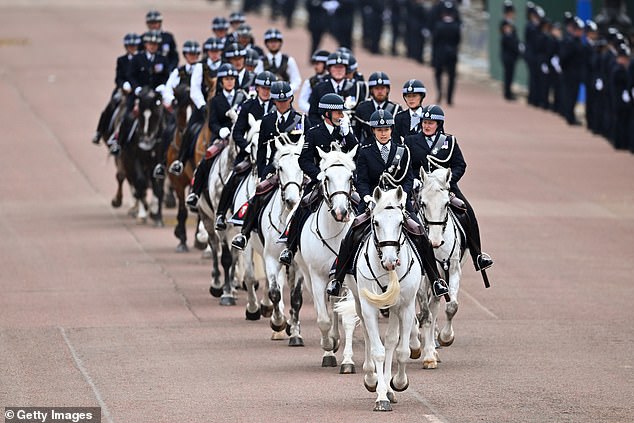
[[284, 120], [407, 122], [281, 64], [235, 20], [246, 40], [432, 149], [318, 60], [384, 163], [220, 28], [258, 108], [379, 86], [334, 128], [131, 43], [335, 83], [154, 21], [219, 124], [202, 88], [179, 78], [235, 54]]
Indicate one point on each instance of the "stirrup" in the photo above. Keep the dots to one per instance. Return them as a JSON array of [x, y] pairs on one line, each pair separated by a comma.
[[239, 242], [333, 288], [286, 257], [221, 223], [439, 287], [192, 200], [483, 262], [96, 138], [159, 171], [176, 168]]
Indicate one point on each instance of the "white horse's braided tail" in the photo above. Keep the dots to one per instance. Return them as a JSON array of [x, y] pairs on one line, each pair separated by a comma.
[[389, 297]]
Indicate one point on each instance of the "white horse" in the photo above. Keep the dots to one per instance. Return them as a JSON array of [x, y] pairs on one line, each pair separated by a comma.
[[445, 236], [218, 175], [320, 239], [388, 275], [272, 222]]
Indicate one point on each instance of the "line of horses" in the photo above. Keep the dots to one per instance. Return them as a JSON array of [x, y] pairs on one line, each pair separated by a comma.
[[387, 279]]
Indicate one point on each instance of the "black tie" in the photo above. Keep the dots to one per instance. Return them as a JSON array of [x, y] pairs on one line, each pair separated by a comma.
[[265, 106], [338, 89]]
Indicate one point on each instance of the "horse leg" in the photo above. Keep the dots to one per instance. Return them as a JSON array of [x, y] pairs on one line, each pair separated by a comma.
[[253, 311], [180, 231], [215, 289], [391, 341], [446, 335], [293, 330], [428, 322], [170, 196], [346, 309], [377, 357], [276, 275], [406, 315], [156, 210], [228, 298], [118, 197], [324, 322]]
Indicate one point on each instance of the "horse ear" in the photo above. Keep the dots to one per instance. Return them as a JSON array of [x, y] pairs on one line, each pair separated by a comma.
[[376, 194], [401, 196], [448, 177], [423, 175], [321, 152], [353, 152], [334, 146], [252, 120], [278, 143]]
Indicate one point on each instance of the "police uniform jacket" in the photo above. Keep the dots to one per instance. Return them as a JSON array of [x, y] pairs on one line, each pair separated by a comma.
[[363, 112], [269, 128], [445, 41], [246, 79], [123, 67], [319, 136], [403, 125], [255, 107], [370, 167], [148, 72], [218, 108], [168, 49], [444, 154], [510, 50], [323, 88]]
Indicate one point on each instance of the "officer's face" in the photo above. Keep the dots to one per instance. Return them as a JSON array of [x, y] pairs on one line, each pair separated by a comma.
[[151, 47], [335, 117], [273, 45], [130, 49], [382, 134], [263, 92], [337, 72], [413, 100], [237, 62], [228, 82], [282, 106], [319, 67], [429, 127], [191, 58], [153, 25], [220, 33], [379, 93], [214, 55]]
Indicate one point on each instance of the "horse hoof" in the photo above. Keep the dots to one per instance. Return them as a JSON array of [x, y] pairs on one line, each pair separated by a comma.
[[430, 364], [396, 388], [296, 341], [329, 361], [392, 397], [227, 300], [182, 248], [414, 354], [370, 388], [280, 327], [445, 343], [383, 405], [215, 292], [277, 336], [253, 315], [115, 203], [267, 310], [347, 369]]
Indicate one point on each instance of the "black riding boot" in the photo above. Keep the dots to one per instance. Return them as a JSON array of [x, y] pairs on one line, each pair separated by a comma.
[[426, 252], [239, 241], [467, 218], [346, 252], [293, 235], [224, 203]]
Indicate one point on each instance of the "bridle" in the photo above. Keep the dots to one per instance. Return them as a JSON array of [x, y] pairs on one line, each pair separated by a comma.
[[390, 243], [289, 183], [328, 196], [427, 223]]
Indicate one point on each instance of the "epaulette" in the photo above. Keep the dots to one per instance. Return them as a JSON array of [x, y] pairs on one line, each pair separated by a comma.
[[366, 145]]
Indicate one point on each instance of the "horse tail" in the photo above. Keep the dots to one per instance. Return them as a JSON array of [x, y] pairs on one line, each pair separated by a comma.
[[389, 297], [346, 308]]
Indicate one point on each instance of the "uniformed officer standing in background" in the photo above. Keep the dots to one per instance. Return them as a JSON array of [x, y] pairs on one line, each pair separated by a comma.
[[510, 47], [318, 22], [571, 60], [417, 29], [620, 87], [445, 43], [530, 54], [372, 19]]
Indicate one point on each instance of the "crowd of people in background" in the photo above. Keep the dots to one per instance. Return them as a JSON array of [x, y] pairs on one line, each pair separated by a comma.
[[561, 58]]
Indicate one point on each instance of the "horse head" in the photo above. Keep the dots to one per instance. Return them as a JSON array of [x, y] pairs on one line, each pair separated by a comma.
[[434, 201], [149, 118], [387, 225], [286, 162], [336, 177]]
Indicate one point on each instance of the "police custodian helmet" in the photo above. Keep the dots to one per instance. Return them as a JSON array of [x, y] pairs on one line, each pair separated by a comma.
[[414, 86], [153, 36], [381, 119], [191, 47], [265, 79], [131, 39], [329, 102], [379, 79], [213, 44], [434, 112], [153, 16], [227, 69], [281, 91]]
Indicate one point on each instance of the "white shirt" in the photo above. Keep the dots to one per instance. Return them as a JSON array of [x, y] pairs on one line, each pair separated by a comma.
[[285, 115], [389, 145], [295, 79], [172, 82], [329, 127], [413, 115], [196, 81]]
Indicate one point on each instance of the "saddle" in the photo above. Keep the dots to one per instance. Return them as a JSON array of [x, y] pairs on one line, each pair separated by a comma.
[[242, 167], [216, 148], [413, 227], [267, 185]]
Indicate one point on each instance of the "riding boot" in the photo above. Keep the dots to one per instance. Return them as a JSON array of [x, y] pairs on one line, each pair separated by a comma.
[[239, 241], [426, 252], [200, 176], [467, 218], [293, 235], [224, 203], [346, 251]]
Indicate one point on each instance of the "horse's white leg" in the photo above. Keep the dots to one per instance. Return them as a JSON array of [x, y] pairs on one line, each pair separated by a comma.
[[253, 311], [141, 215], [349, 321], [323, 317], [377, 356], [295, 281], [392, 335], [407, 319], [275, 275], [427, 322], [446, 335]]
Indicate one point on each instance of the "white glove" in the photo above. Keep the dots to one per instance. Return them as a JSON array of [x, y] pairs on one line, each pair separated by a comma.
[[126, 87], [426, 33], [555, 62], [544, 68], [598, 84], [137, 90], [160, 89], [331, 6], [369, 200], [625, 96], [344, 124], [224, 133], [417, 184]]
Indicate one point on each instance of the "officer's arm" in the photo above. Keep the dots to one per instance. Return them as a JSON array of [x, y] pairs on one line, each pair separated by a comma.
[[214, 122], [313, 110], [293, 74], [195, 84], [168, 92], [303, 100], [132, 73], [457, 164], [240, 128], [351, 141], [362, 183], [408, 180], [307, 158], [120, 75], [261, 160]]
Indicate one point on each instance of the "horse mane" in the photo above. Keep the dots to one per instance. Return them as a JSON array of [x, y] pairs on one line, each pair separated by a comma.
[[337, 157], [436, 181]]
